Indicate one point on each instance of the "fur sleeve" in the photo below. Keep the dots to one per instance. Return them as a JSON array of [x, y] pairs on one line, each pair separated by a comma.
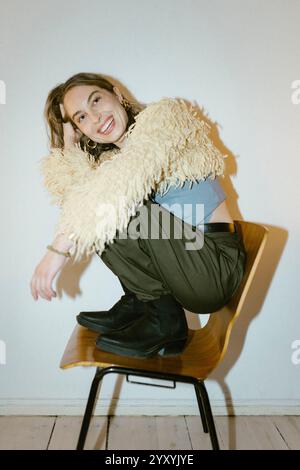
[[61, 169]]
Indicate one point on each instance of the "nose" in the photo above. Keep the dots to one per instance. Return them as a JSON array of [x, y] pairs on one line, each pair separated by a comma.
[[95, 116]]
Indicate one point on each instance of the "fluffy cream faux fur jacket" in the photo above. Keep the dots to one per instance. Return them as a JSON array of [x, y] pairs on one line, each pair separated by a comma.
[[167, 144]]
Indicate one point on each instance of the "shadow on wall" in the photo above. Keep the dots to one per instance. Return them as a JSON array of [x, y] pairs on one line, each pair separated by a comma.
[[277, 238]]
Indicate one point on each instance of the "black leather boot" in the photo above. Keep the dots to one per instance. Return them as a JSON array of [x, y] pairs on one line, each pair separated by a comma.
[[124, 313], [163, 330]]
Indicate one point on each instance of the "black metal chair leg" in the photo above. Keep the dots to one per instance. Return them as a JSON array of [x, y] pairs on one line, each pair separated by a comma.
[[201, 409], [209, 416], [89, 409]]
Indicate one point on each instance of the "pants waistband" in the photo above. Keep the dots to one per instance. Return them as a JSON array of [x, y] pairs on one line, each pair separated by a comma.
[[219, 227]]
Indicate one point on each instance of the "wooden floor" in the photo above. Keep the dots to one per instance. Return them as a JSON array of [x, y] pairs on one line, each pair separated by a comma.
[[149, 432]]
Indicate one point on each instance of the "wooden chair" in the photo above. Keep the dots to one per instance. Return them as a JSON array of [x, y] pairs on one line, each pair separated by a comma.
[[204, 351]]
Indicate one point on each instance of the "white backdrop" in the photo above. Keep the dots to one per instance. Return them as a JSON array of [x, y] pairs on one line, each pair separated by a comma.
[[237, 60]]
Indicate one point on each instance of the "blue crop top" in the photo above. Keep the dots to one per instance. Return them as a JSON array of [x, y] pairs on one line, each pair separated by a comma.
[[195, 205]]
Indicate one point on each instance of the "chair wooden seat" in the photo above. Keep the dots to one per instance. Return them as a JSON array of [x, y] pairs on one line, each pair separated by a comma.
[[204, 350], [198, 359]]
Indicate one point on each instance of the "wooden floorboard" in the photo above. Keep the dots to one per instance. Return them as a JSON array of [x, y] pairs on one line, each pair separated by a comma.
[[149, 432], [66, 432], [25, 432]]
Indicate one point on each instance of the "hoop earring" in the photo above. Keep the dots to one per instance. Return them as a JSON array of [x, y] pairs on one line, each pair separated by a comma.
[[126, 104], [90, 146]]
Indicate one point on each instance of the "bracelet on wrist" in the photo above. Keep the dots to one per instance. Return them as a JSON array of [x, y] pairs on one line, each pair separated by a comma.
[[66, 254]]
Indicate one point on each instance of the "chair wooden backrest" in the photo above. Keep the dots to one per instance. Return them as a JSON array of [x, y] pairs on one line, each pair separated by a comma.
[[220, 325], [206, 346]]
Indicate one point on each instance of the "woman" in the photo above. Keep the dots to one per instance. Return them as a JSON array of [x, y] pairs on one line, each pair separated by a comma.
[[92, 125]]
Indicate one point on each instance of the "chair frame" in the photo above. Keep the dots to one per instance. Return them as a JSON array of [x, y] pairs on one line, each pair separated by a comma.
[[209, 342], [200, 390]]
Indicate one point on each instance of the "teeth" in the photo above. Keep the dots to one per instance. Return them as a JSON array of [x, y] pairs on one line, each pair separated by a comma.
[[107, 126]]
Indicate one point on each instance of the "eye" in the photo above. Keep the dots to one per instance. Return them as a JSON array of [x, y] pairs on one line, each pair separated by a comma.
[[79, 119], [96, 99]]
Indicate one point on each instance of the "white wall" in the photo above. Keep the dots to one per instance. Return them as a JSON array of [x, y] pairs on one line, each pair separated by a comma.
[[238, 60]]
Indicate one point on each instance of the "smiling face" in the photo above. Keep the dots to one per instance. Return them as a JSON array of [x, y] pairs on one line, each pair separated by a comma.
[[92, 109]]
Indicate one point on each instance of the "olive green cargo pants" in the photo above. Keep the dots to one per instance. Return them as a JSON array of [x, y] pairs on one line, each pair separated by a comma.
[[159, 253]]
